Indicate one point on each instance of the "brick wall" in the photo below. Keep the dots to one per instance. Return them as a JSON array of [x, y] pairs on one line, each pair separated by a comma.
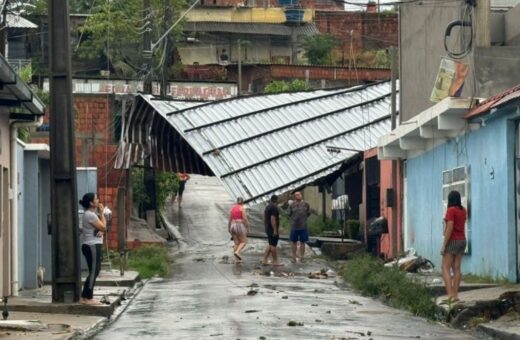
[[96, 147], [360, 30], [328, 73], [256, 77]]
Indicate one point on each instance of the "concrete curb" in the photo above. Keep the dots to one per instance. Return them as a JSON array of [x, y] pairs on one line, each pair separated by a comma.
[[65, 308], [95, 328], [499, 332]]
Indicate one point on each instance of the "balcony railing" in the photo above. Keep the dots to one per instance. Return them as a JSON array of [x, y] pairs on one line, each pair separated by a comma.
[[18, 64]]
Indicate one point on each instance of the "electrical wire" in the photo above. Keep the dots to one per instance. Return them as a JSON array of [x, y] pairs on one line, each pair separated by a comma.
[[467, 47]]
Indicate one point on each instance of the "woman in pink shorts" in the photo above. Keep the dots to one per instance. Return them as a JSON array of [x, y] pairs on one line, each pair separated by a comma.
[[238, 227]]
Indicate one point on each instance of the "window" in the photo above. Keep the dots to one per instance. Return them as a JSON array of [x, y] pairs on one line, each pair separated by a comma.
[[458, 179]]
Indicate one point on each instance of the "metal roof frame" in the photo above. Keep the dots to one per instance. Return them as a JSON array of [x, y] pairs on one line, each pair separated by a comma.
[[258, 145]]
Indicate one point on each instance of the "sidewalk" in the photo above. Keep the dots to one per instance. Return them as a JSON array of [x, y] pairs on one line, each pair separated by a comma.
[[494, 310], [32, 314]]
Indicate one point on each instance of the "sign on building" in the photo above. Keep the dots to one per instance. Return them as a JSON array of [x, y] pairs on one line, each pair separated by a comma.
[[450, 80], [178, 90]]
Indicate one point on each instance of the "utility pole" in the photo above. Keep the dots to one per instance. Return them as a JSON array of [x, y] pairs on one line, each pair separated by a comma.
[[147, 52], [168, 58], [149, 172], [239, 82], [3, 28], [393, 53], [481, 23], [66, 279]]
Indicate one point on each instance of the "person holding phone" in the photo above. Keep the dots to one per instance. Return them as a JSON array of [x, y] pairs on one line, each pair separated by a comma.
[[94, 225]]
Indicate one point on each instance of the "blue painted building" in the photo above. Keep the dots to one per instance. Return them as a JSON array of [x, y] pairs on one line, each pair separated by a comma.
[[476, 153]]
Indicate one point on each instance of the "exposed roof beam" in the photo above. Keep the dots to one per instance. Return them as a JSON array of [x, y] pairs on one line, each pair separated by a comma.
[[450, 122], [431, 132], [391, 152], [412, 143]]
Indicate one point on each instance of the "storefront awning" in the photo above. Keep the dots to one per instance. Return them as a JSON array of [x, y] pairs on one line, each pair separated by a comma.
[[257, 145]]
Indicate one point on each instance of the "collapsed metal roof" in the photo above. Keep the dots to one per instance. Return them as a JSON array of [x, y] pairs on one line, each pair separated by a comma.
[[258, 145]]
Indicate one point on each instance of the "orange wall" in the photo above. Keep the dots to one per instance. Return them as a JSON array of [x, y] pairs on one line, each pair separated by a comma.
[[386, 183]]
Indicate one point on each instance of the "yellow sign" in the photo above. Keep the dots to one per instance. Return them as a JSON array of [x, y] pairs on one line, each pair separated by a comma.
[[450, 80]]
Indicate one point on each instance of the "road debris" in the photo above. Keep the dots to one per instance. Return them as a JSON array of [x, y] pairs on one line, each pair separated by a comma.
[[293, 323]]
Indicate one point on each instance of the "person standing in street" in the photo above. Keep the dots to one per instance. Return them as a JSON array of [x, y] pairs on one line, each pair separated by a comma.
[[238, 227], [453, 245], [298, 211], [272, 223], [183, 178], [94, 225]]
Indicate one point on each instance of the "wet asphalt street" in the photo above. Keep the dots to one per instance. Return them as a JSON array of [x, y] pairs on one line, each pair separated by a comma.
[[210, 297]]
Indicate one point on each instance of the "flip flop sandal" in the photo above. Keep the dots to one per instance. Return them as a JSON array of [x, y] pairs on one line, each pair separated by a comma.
[[237, 256]]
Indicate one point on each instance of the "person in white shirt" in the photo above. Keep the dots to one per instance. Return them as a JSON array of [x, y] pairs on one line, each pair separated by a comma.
[[94, 225]]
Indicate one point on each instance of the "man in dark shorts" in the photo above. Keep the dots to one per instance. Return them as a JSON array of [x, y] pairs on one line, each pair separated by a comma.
[[183, 178], [272, 223], [298, 211]]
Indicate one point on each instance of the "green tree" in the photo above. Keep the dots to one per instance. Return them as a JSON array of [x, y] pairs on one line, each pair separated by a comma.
[[278, 86], [166, 184], [114, 33], [318, 48], [25, 73]]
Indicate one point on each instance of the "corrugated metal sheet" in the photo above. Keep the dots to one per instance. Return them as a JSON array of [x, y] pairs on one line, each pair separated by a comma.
[[16, 21], [268, 144], [249, 28], [494, 102]]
